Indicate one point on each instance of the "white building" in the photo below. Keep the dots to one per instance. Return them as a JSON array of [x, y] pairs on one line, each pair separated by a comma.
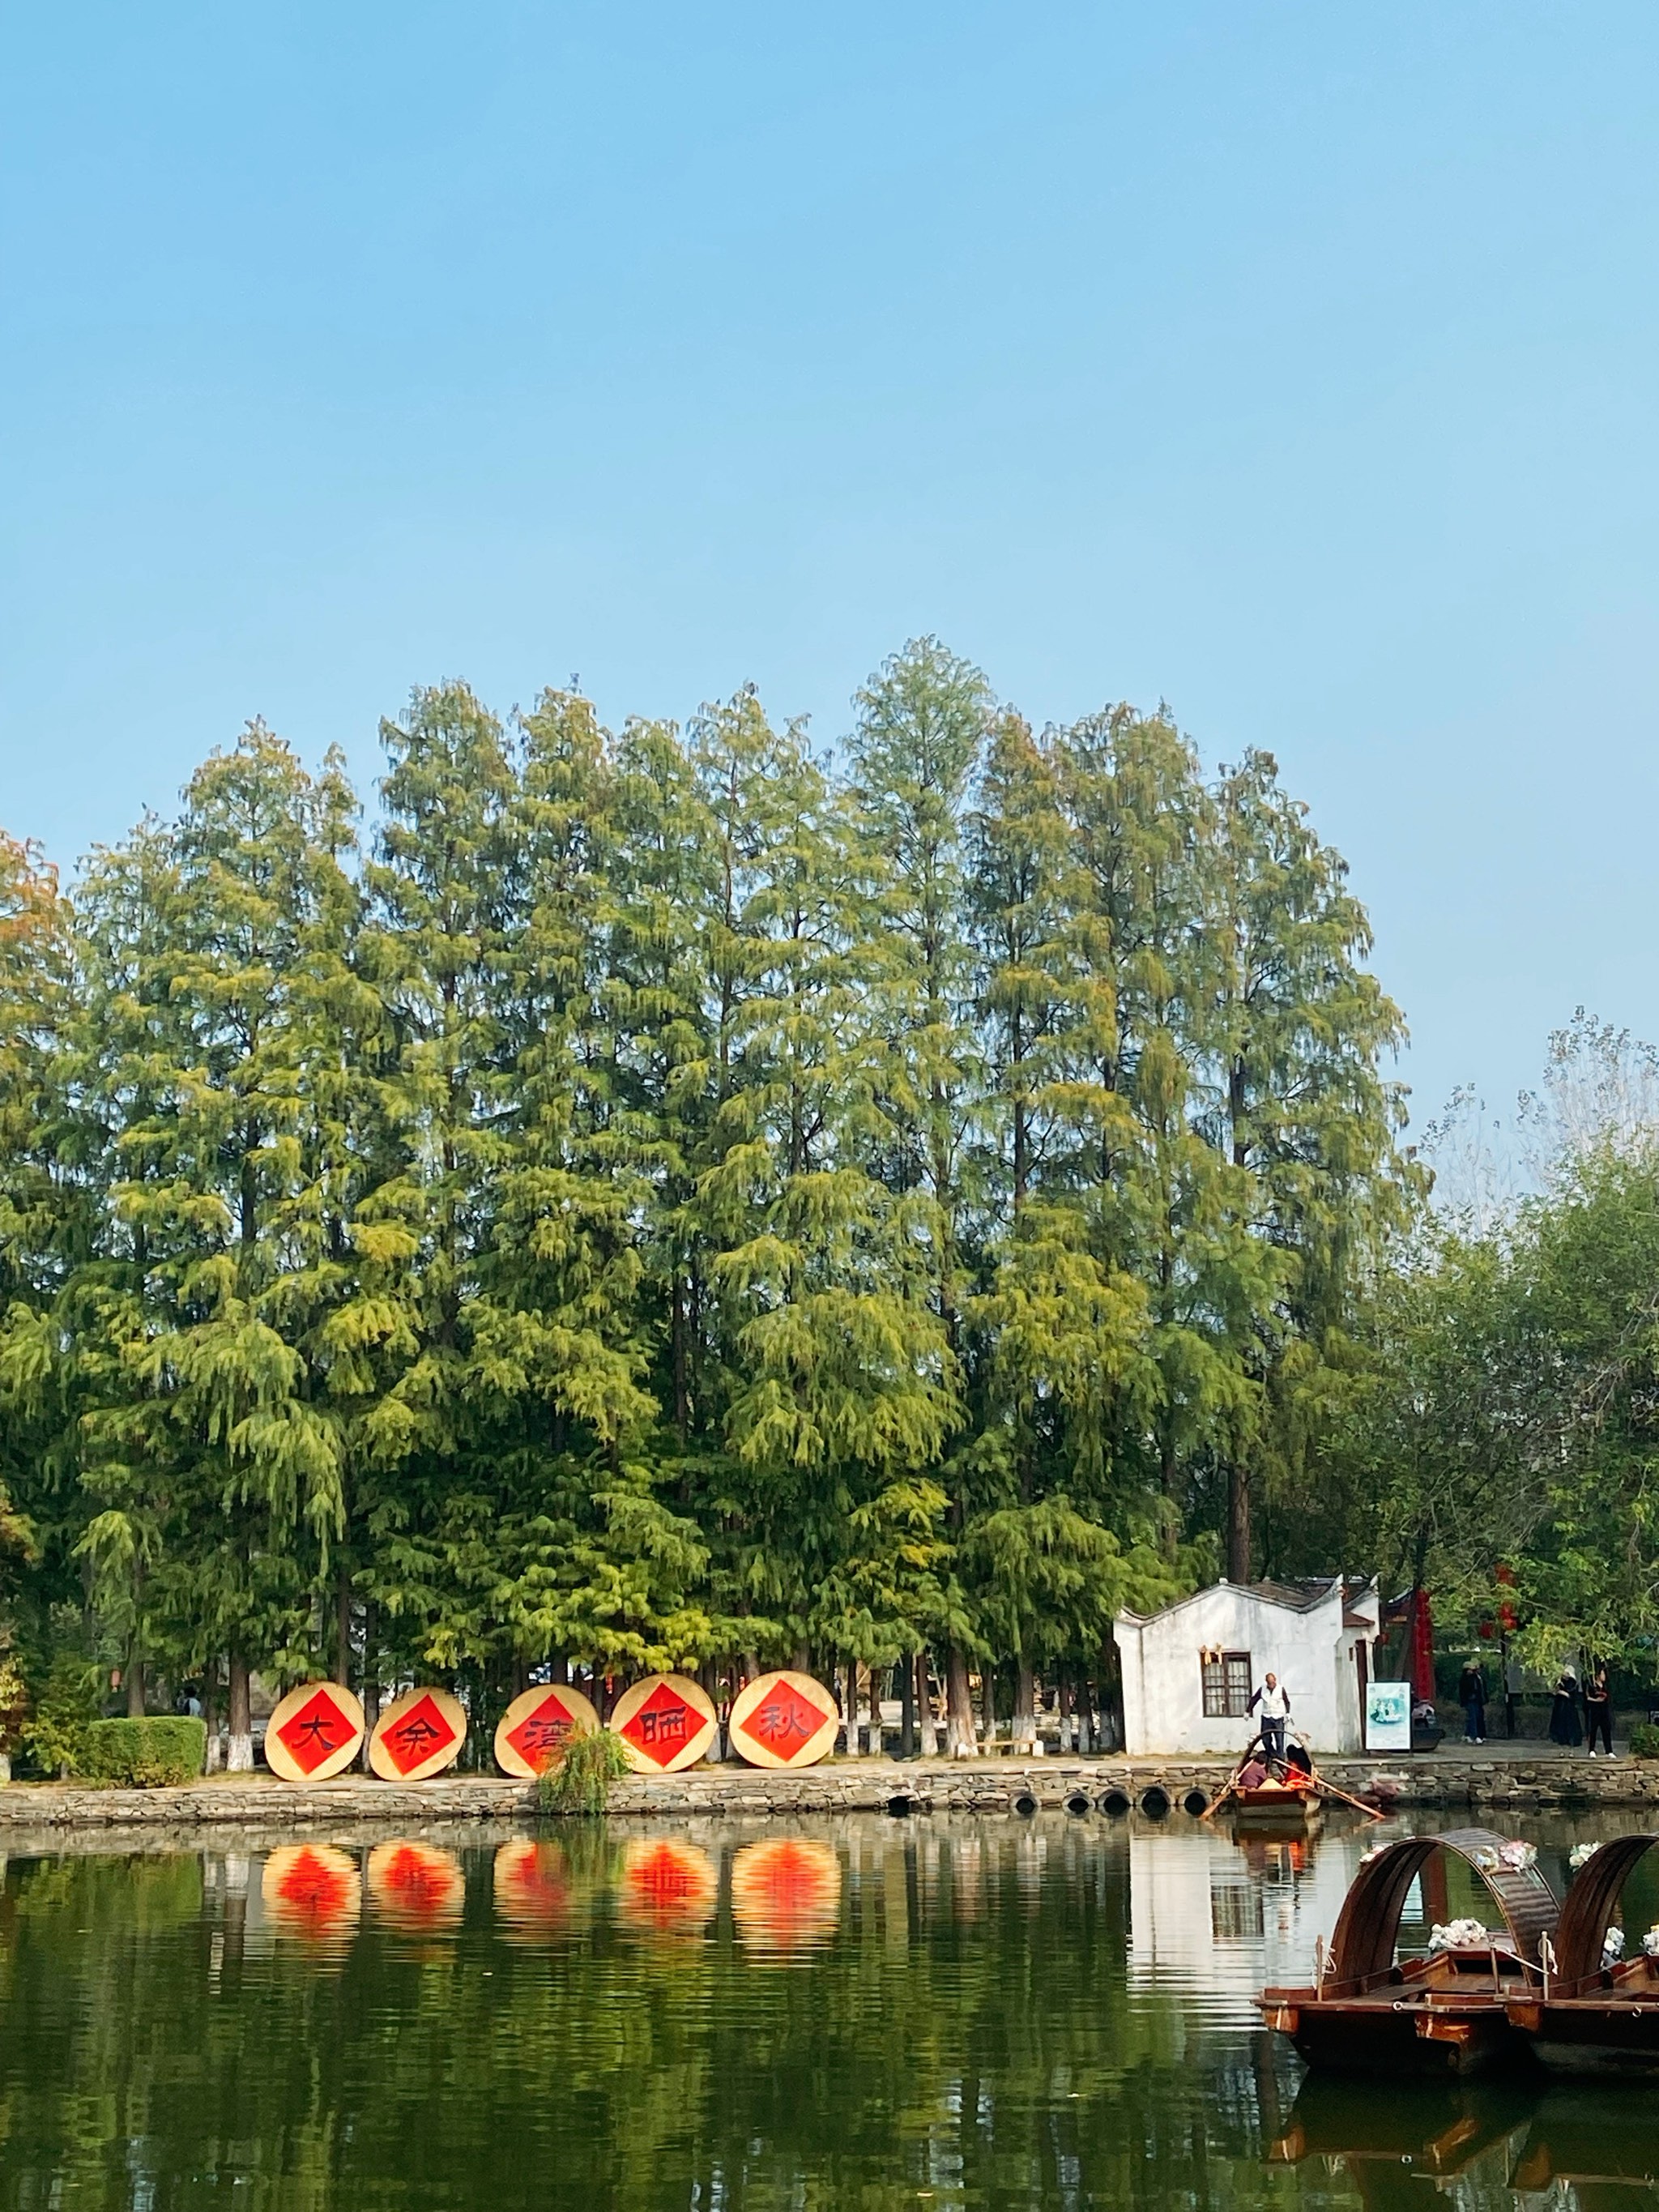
[[1189, 1671]]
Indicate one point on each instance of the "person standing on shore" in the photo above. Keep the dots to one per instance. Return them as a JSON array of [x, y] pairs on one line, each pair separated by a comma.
[[1564, 1711], [1598, 1711], [1472, 1696], [1274, 1701]]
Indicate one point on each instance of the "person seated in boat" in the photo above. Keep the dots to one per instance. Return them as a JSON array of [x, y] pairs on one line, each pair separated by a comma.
[[1254, 1772], [1298, 1764]]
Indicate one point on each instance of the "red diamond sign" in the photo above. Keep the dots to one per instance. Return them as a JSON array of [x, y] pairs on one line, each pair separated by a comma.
[[785, 1723], [784, 1719], [663, 1726], [541, 1735], [417, 1735], [316, 1732]]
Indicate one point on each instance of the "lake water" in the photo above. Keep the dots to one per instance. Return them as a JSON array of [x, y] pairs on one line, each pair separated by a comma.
[[855, 2014]]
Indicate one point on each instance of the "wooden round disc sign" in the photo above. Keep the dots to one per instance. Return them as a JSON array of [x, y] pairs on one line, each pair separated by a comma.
[[314, 1734], [419, 1736], [784, 1719], [665, 1723], [536, 1727]]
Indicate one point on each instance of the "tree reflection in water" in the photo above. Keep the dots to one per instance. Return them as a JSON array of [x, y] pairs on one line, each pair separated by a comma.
[[977, 2012]]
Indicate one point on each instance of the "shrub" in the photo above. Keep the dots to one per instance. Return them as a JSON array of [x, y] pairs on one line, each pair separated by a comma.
[[1645, 1740], [55, 1738], [144, 1754], [580, 1781], [13, 1697]]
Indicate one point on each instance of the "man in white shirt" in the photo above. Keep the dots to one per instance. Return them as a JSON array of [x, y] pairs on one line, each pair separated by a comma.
[[1274, 1701]]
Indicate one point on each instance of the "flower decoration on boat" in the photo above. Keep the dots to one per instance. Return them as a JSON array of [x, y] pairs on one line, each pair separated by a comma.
[[1578, 1855], [1651, 1942], [1484, 1858], [1466, 1934], [1612, 1947], [1516, 1856]]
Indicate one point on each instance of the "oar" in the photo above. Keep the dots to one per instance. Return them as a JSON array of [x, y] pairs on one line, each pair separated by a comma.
[[1359, 1803], [1228, 1789]]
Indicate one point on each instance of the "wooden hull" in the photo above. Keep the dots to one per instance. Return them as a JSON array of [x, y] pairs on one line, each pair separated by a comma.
[[1377, 2038], [1276, 1808], [1590, 2036]]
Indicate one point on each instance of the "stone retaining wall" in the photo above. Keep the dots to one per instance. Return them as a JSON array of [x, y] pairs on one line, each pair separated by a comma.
[[1103, 1785]]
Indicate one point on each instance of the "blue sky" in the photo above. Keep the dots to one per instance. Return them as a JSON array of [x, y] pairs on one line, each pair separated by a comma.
[[1293, 363]]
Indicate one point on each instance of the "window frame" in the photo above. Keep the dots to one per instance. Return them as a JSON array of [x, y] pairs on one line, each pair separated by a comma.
[[1224, 1679]]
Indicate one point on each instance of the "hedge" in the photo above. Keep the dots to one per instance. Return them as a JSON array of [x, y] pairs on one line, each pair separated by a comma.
[[145, 1754]]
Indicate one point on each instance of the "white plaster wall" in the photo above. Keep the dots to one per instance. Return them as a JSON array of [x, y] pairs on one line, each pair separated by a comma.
[[1309, 1650]]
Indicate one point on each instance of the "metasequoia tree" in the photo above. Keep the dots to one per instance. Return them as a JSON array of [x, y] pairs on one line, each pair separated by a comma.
[[675, 1197]]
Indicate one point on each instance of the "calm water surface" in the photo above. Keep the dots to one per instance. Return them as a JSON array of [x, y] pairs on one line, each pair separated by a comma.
[[868, 2013]]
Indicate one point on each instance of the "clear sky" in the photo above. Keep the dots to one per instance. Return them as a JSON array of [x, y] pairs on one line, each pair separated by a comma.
[[1293, 362]]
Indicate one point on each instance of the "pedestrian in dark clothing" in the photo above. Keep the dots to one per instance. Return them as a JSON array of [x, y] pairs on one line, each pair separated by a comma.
[[1598, 1711], [1564, 1710], [1472, 1696]]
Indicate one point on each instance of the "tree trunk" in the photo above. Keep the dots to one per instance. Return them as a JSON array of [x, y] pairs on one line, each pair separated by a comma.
[[958, 1707], [342, 1628], [1085, 1732], [1238, 1523], [851, 1708], [371, 1690], [240, 1760], [872, 1738], [929, 1734], [1111, 1700], [210, 1714], [1063, 1706], [708, 1682], [987, 1702], [1024, 1704], [907, 1685], [676, 1356], [134, 1680]]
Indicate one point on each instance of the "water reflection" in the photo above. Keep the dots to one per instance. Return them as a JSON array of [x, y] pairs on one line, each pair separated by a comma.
[[533, 1886], [415, 1886], [980, 2012], [314, 1892], [668, 1885], [785, 1893], [1476, 2144]]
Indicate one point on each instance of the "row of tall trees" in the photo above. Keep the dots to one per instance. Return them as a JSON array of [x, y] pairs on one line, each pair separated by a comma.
[[670, 1197]]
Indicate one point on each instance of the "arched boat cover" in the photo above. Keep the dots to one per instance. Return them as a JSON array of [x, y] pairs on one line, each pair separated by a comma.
[[1590, 1901], [1368, 1926]]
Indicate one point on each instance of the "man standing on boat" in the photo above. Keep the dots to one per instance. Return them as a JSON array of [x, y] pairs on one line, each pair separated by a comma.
[[1274, 1701]]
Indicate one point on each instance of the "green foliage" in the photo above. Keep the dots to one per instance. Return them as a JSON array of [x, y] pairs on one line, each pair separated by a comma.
[[673, 1201], [1645, 1740], [581, 1779], [13, 1696], [158, 1752], [54, 1738]]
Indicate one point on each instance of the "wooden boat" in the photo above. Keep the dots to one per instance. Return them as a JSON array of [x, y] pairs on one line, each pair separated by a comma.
[[1293, 1803], [1587, 2016], [1445, 2014]]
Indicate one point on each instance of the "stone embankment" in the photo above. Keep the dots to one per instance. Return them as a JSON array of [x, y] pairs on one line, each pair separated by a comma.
[[1149, 1788]]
